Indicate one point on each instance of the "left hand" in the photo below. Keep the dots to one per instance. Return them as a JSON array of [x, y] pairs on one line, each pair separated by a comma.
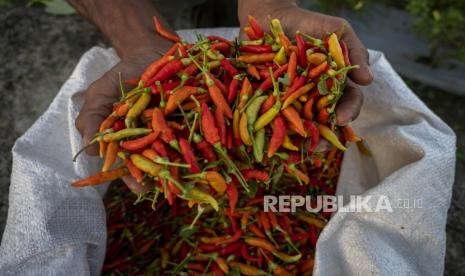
[[316, 24]]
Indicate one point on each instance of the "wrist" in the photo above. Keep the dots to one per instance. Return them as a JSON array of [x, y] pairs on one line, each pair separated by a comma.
[[127, 24], [260, 9]]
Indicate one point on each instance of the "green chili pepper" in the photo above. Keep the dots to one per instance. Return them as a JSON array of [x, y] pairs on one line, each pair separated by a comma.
[[125, 133], [259, 145], [253, 109], [331, 137], [197, 195]]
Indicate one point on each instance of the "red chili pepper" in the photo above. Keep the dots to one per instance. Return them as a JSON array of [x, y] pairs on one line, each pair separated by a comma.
[[166, 86], [160, 148], [345, 52], [221, 125], [302, 57], [314, 135], [216, 270], [230, 248], [209, 129], [167, 71], [140, 143], [119, 125], [189, 156], [205, 148], [255, 174], [257, 49], [166, 133], [220, 46], [231, 70], [165, 33], [323, 116], [182, 51], [270, 101], [298, 83], [267, 84], [133, 170], [255, 26], [237, 235], [231, 191], [277, 139], [246, 255], [218, 38], [220, 85], [218, 97], [250, 33]]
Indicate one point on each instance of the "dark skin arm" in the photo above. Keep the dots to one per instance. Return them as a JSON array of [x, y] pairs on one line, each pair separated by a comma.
[[129, 27]]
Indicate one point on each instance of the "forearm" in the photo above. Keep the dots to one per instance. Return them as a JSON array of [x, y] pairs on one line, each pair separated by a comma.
[[127, 24]]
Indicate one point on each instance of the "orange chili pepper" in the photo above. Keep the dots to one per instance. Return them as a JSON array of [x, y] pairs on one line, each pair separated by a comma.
[[293, 117], [110, 157], [315, 72], [254, 229], [349, 134], [252, 70], [299, 92], [292, 68], [165, 33], [261, 243], [100, 177], [258, 58], [308, 114], [141, 142]]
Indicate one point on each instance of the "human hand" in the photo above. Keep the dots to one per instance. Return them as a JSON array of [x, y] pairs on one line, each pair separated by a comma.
[[316, 24], [129, 27]]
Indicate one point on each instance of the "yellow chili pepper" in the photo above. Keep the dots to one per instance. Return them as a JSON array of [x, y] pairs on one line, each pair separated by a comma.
[[267, 117], [287, 258], [137, 109], [243, 131], [201, 196], [287, 144], [316, 58], [280, 58], [301, 91], [311, 220], [331, 137], [336, 50], [145, 164]]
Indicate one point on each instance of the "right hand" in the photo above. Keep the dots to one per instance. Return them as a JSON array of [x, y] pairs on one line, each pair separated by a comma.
[[99, 99]]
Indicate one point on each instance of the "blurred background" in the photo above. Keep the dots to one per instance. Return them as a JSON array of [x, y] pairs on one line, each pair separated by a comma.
[[42, 40]]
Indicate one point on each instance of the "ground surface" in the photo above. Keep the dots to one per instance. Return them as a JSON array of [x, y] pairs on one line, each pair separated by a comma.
[[38, 52]]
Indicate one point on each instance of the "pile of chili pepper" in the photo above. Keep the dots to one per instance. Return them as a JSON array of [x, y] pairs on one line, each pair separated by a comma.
[[208, 130]]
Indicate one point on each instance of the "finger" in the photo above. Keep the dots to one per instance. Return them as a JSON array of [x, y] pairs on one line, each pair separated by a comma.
[[136, 187], [98, 104], [319, 25], [350, 105], [358, 55]]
